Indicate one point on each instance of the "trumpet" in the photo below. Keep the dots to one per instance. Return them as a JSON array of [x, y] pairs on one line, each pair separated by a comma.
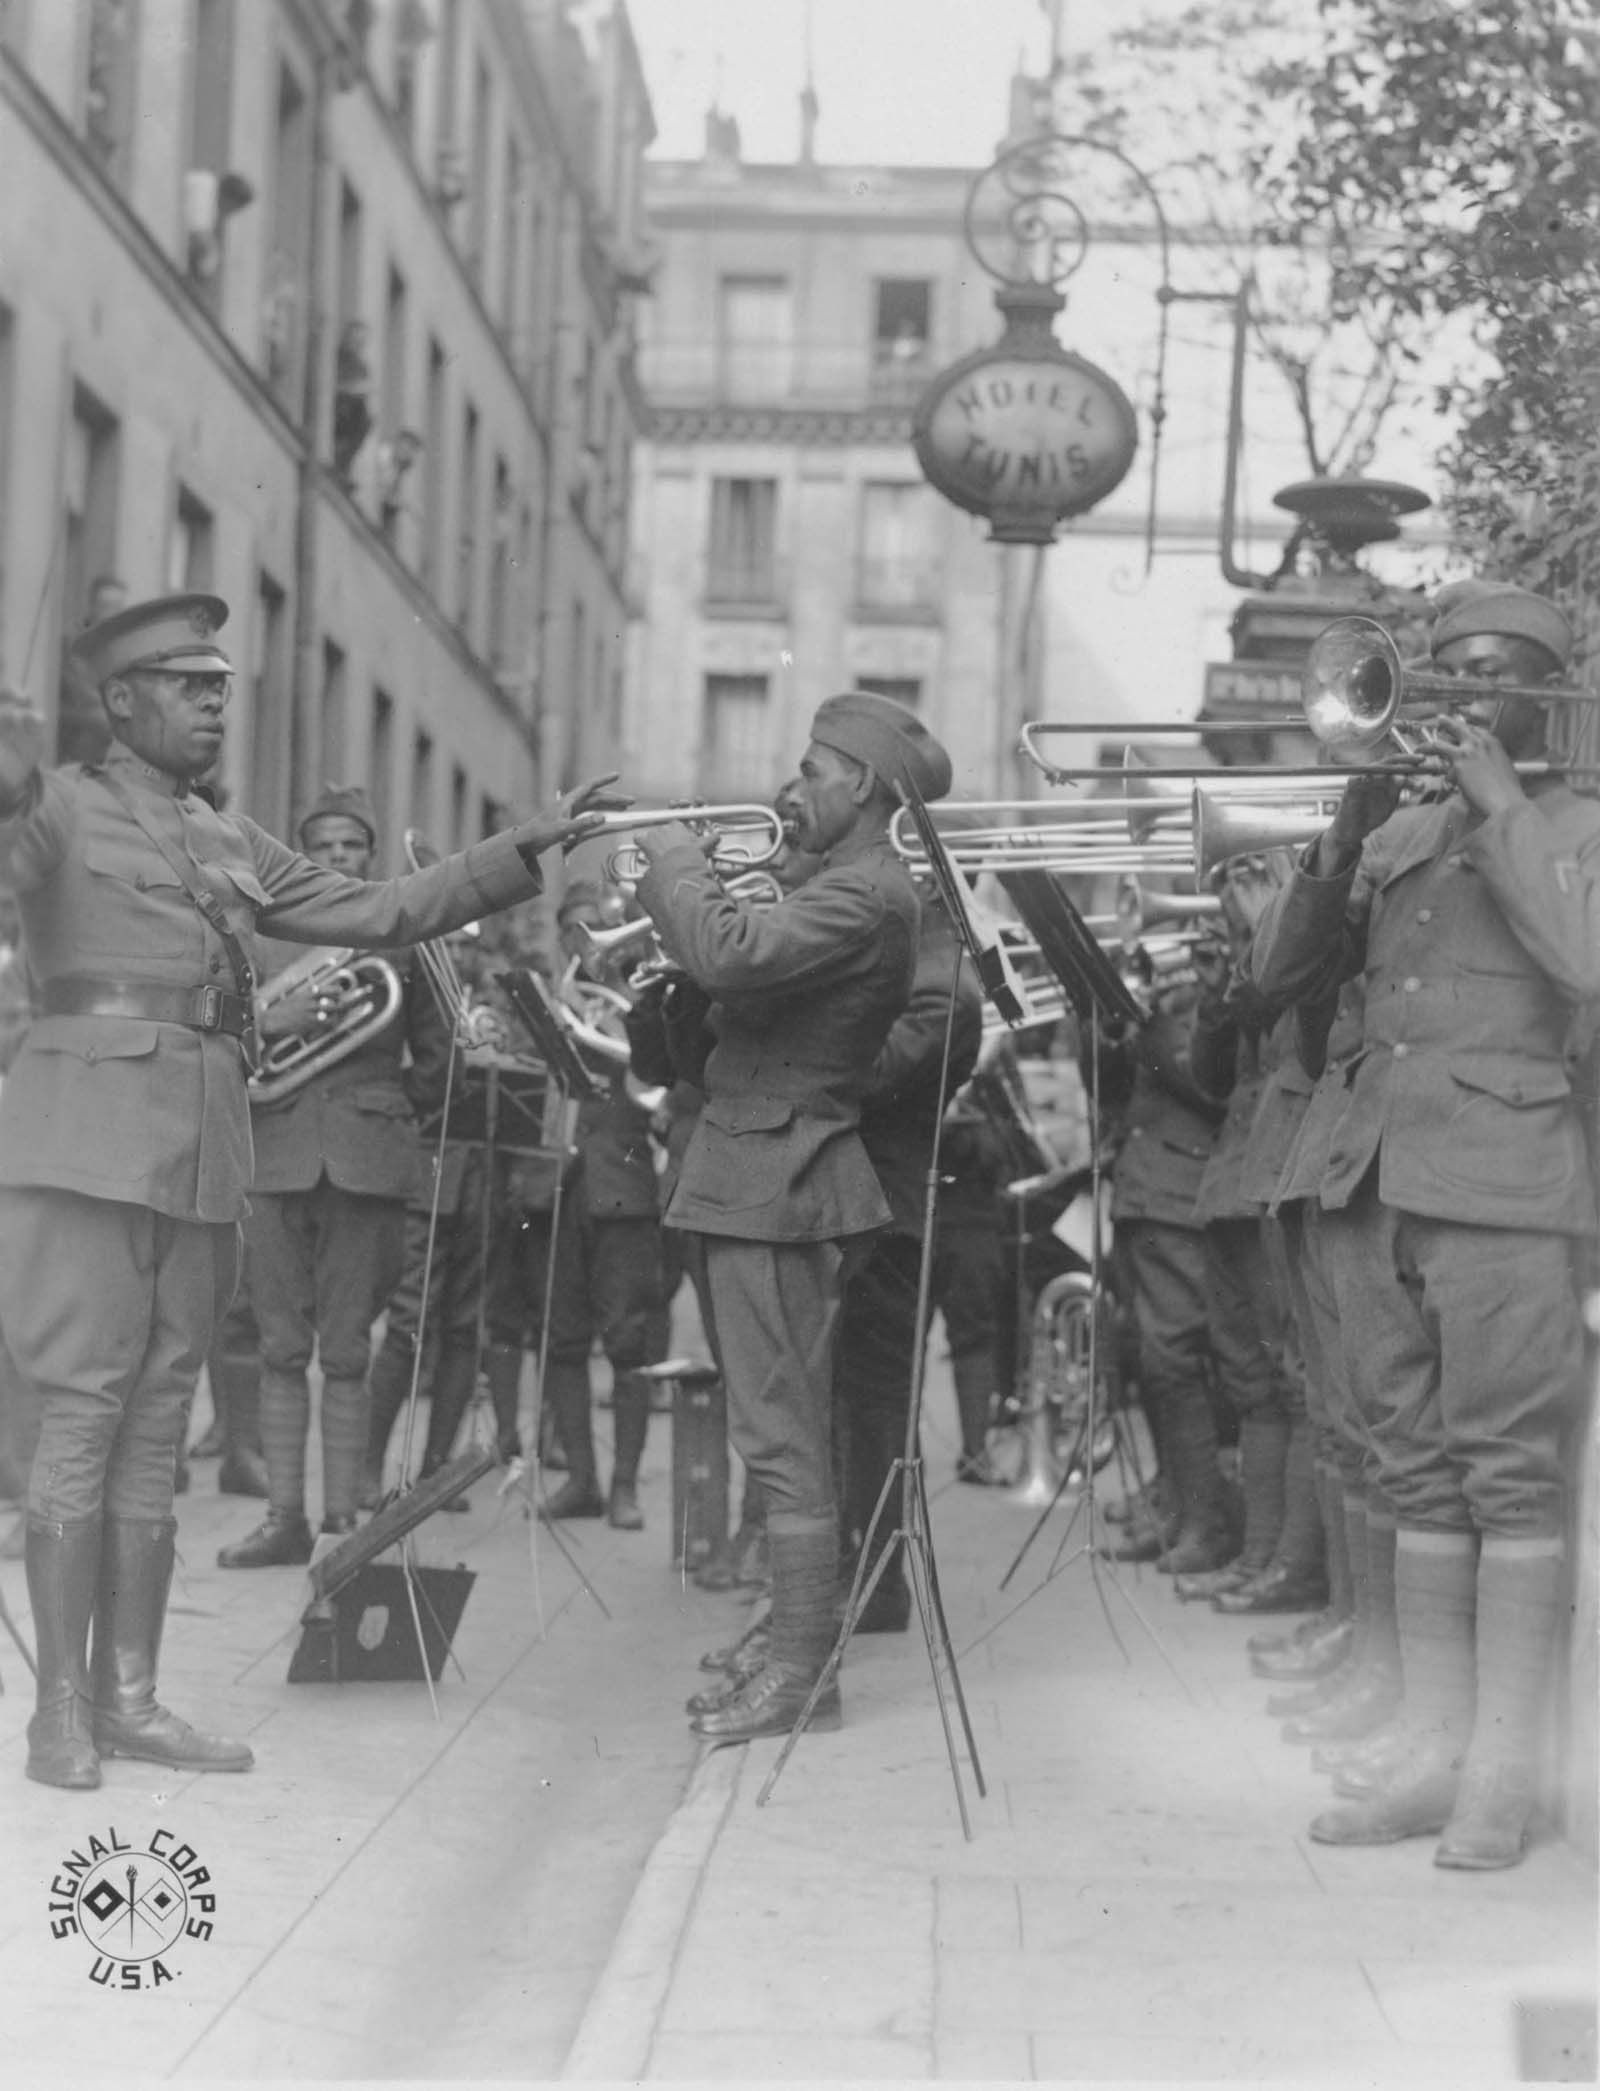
[[361, 993], [760, 826]]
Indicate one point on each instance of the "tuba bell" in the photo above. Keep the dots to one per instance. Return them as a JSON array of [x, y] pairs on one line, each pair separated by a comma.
[[362, 993]]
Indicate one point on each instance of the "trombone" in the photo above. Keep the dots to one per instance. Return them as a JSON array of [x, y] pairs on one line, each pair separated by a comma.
[[999, 835], [760, 827]]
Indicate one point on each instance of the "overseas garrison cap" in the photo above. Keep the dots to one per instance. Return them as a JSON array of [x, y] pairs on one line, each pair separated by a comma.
[[343, 802], [175, 632], [1507, 613], [887, 735]]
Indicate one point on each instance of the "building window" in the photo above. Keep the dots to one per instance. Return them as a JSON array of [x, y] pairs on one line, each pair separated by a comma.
[[907, 688], [901, 334], [755, 338], [283, 319], [477, 238], [734, 737], [422, 783], [108, 84], [502, 561], [333, 721], [274, 741], [896, 569], [380, 768], [467, 544], [190, 547], [89, 498], [741, 558], [433, 465], [458, 808]]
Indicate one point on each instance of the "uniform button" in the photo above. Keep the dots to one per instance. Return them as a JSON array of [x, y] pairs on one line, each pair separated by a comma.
[[1401, 1051], [1413, 984], [1424, 914], [215, 966]]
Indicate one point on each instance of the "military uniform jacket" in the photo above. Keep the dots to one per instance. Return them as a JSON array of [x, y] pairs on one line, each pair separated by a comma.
[[1169, 1127], [354, 1124], [1229, 1060], [617, 1169], [156, 1114], [1285, 1098], [1305, 1163], [1478, 940], [803, 996], [900, 1110]]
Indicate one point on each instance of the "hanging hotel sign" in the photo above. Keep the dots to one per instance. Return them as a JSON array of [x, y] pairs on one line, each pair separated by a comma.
[[1025, 433]]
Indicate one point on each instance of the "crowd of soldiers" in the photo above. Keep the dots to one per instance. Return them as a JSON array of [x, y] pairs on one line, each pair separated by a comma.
[[1352, 1202]]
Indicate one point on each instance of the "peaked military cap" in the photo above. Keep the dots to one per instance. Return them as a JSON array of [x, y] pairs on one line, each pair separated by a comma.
[[176, 632]]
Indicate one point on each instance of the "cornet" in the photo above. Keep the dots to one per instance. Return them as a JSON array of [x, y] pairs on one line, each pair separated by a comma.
[[760, 826]]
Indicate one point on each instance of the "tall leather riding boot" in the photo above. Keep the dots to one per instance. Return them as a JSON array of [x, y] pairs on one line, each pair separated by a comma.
[[136, 1557], [974, 1375], [455, 1379], [1295, 1579], [630, 1422], [502, 1368], [805, 1554], [236, 1391], [63, 1566], [1436, 1575], [567, 1398], [1263, 1444], [346, 1429], [1191, 1447], [1520, 1599]]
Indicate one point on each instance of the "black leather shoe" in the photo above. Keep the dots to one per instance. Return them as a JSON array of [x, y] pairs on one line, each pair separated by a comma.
[[156, 1736], [574, 1499], [1416, 1800], [1195, 1553], [1371, 1698], [743, 1657], [1210, 1582], [277, 1542], [1275, 1590], [1312, 1655], [980, 1470], [769, 1704]]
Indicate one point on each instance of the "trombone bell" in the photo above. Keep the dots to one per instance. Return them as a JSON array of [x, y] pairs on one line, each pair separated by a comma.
[[1225, 828]]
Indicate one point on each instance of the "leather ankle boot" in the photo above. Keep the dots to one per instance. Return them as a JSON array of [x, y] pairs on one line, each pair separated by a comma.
[[281, 1540], [1414, 1800], [1314, 1650], [63, 1564], [804, 1581], [136, 1558]]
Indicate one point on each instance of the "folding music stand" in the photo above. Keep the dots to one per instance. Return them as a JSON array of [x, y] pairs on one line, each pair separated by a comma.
[[1096, 990], [913, 1529]]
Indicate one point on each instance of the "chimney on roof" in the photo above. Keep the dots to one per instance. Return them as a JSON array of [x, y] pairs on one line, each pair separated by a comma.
[[722, 137]]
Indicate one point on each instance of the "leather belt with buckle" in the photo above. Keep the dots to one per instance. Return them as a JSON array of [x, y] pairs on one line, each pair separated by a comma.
[[198, 1008]]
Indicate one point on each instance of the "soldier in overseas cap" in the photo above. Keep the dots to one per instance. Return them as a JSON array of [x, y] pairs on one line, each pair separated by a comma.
[[125, 1152], [1459, 1167], [776, 1179]]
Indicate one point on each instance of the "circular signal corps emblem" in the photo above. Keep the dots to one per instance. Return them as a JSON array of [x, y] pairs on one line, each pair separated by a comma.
[[134, 1905]]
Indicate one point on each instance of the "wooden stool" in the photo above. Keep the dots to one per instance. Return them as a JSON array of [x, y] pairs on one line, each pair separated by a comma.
[[699, 1458]]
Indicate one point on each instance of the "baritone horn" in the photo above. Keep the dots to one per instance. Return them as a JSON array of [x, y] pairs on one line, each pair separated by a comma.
[[359, 994]]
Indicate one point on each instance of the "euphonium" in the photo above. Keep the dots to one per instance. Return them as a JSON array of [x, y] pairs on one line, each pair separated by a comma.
[[362, 993], [1058, 1384]]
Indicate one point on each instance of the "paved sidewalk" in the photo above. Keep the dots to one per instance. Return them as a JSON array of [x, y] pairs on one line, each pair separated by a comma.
[[394, 1897], [1140, 1899]]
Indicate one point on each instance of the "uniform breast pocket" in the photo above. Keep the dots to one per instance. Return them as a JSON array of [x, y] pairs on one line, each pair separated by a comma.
[[133, 906], [1511, 1129], [747, 1152]]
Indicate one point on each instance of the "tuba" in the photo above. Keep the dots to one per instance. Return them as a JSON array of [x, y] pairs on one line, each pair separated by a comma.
[[1054, 1421], [361, 993]]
